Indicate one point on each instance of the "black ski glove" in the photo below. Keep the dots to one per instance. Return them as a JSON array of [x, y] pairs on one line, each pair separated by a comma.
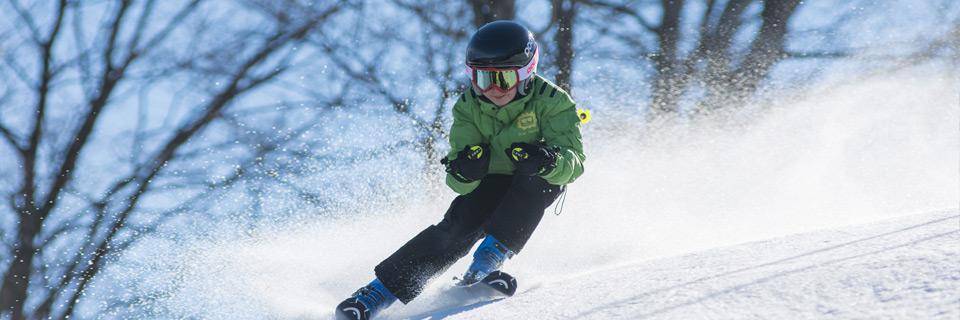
[[531, 159], [470, 165]]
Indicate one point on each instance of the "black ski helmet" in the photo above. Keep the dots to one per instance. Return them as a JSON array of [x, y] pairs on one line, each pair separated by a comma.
[[504, 44]]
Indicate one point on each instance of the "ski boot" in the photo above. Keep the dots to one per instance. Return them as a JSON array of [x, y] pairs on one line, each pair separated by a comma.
[[366, 303], [489, 257]]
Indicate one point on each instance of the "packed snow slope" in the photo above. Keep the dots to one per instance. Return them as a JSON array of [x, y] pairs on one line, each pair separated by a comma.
[[656, 226], [907, 268]]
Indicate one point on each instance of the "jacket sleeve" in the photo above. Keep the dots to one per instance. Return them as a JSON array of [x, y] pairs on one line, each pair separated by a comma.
[[562, 130], [464, 132]]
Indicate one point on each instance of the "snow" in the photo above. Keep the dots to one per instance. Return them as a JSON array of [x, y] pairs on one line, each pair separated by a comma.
[[907, 268], [775, 219]]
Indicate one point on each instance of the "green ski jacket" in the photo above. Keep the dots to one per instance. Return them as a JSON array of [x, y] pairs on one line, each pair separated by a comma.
[[545, 114]]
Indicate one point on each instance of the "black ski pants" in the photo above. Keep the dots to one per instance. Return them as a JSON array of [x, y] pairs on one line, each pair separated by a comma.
[[507, 207]]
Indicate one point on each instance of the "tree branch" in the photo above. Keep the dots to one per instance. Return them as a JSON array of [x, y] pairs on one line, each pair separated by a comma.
[[238, 84], [368, 76], [423, 12], [83, 59], [11, 61], [797, 54], [172, 24], [622, 9], [109, 79], [28, 21], [43, 92], [141, 25], [11, 139]]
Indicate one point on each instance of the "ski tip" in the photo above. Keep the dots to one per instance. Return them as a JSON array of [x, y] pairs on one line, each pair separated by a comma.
[[501, 282]]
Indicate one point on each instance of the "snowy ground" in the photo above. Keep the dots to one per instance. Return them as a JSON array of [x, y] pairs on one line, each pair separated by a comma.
[[675, 231], [907, 268]]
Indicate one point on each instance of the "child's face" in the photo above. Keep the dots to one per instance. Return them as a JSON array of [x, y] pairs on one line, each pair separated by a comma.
[[500, 98]]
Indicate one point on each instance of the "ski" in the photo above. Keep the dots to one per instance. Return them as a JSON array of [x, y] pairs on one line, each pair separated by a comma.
[[499, 281]]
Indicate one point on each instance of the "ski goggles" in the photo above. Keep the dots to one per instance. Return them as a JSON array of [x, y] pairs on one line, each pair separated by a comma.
[[502, 79]]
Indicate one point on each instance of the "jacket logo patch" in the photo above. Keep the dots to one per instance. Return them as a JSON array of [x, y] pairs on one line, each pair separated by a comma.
[[527, 121]]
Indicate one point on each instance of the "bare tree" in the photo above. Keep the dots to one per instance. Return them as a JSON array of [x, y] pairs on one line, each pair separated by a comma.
[[728, 76], [69, 221], [432, 63]]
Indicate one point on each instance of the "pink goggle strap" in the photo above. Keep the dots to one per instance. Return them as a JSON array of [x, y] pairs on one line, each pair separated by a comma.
[[531, 68]]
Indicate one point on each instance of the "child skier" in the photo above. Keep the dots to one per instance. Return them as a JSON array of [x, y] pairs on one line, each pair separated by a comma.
[[515, 142]]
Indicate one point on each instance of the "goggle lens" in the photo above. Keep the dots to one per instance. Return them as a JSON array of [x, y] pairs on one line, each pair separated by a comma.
[[502, 79]]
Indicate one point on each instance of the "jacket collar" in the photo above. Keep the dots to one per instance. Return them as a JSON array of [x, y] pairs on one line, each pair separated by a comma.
[[513, 108]]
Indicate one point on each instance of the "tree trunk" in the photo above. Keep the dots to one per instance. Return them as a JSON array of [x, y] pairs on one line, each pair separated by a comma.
[[485, 11], [564, 11], [737, 85], [669, 84], [16, 280]]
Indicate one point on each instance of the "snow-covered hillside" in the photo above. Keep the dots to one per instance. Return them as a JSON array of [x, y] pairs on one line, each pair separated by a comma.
[[688, 220], [907, 268]]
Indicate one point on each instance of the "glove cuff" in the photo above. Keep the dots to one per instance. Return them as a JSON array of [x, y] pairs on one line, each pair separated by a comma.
[[455, 172], [459, 178], [549, 161]]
